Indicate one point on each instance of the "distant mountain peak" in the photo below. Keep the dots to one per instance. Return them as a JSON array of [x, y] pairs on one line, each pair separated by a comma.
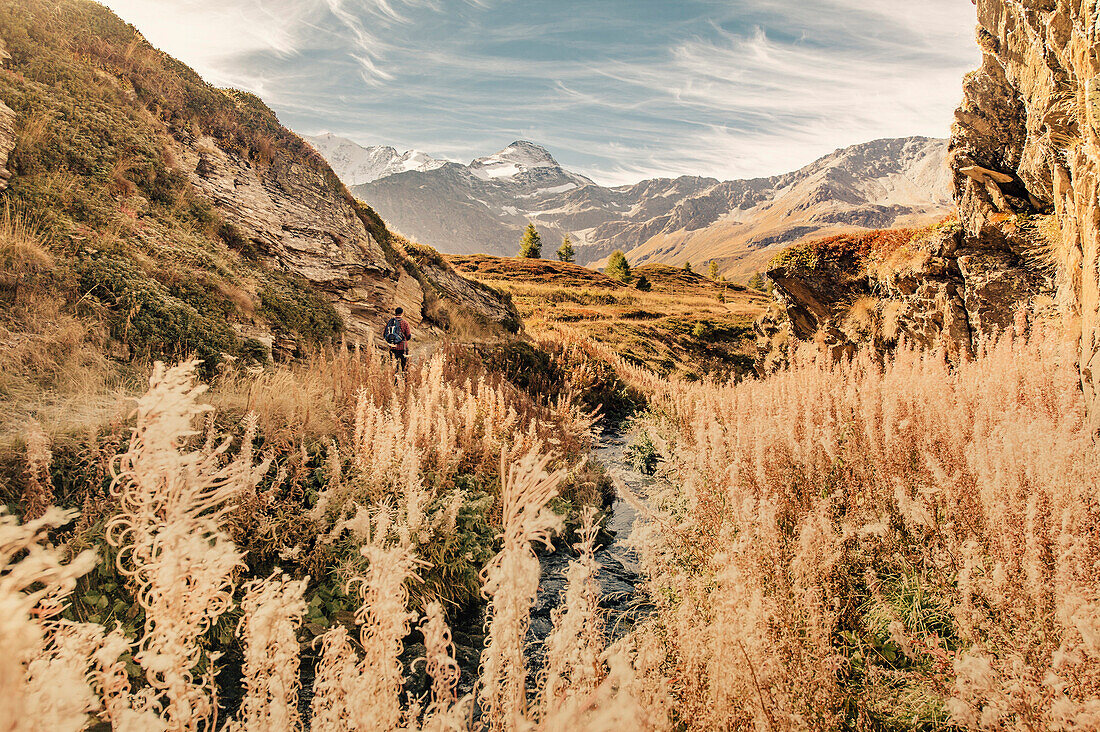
[[519, 157], [356, 164], [484, 206]]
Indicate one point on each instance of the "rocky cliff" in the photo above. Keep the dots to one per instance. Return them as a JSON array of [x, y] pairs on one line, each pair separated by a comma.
[[1024, 159], [1027, 144]]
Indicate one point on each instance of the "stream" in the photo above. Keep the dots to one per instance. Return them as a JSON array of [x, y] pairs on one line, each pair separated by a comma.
[[619, 574], [619, 577]]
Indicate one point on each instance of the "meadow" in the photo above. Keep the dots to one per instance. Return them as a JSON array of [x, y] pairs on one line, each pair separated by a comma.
[[681, 323], [841, 545]]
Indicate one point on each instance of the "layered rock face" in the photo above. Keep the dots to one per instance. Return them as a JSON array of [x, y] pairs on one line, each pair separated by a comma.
[[1027, 140], [298, 219]]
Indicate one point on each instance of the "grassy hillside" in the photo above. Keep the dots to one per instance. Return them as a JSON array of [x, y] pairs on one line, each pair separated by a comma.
[[685, 324], [112, 257]]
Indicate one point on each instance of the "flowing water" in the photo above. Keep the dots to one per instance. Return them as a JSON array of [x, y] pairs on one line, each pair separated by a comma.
[[619, 576], [619, 573]]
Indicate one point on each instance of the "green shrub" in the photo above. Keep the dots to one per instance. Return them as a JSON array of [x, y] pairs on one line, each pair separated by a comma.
[[255, 350], [291, 306], [618, 268], [642, 454], [181, 320]]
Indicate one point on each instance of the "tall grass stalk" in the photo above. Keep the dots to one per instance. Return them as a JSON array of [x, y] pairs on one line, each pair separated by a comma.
[[172, 543], [511, 583]]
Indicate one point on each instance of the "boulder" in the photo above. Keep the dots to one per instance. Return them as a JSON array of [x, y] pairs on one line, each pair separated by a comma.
[[7, 142]]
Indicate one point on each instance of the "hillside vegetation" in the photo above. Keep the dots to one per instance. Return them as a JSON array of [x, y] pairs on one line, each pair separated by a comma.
[[118, 246], [684, 323]]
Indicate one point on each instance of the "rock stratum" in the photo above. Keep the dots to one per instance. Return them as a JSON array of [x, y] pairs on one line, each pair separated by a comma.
[[483, 207]]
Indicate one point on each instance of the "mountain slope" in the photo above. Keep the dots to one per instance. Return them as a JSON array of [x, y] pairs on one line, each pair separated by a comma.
[[880, 184], [483, 207], [150, 215], [683, 323]]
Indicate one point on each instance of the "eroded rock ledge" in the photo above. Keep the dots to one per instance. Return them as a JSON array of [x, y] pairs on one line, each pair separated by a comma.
[[935, 287]]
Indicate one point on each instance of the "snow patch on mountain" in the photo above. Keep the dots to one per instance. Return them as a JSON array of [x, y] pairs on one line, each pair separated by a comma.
[[356, 164]]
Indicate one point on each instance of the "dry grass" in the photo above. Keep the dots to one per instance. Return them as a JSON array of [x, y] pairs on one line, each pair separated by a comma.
[[900, 546], [687, 324], [52, 366], [23, 251], [178, 503], [842, 545]]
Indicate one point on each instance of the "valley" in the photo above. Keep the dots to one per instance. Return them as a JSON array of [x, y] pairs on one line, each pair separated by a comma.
[[683, 323], [857, 492]]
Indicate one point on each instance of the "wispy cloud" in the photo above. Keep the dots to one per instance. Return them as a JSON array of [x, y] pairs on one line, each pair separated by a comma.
[[619, 89]]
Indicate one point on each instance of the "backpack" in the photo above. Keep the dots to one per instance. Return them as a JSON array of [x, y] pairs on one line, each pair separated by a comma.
[[393, 334]]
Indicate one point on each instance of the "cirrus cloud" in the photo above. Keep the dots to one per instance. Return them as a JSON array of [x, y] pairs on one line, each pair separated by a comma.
[[618, 90]]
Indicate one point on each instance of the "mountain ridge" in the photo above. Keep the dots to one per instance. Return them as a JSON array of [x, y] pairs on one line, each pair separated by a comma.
[[356, 164], [482, 207]]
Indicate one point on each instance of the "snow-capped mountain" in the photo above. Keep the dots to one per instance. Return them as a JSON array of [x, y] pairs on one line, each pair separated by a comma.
[[523, 160], [484, 206], [356, 164]]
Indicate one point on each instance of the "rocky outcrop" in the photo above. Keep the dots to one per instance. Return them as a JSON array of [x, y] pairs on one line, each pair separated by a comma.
[[7, 142], [937, 287], [1030, 129], [477, 298], [1025, 161], [294, 216], [7, 128]]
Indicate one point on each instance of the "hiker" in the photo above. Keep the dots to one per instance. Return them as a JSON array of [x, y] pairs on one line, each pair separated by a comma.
[[397, 336]]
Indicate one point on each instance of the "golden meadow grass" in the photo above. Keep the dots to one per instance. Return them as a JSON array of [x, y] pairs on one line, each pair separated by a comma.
[[839, 545]]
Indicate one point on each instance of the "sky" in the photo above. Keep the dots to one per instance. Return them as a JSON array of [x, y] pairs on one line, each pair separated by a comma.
[[618, 90]]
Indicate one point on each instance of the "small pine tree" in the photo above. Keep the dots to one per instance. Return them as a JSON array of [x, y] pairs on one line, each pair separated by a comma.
[[687, 267], [643, 283], [712, 271], [756, 282], [565, 251], [530, 246], [617, 267]]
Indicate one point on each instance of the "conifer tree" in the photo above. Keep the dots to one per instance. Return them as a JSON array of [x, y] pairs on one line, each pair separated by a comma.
[[530, 246], [617, 267], [565, 251], [712, 271], [756, 282], [687, 267]]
